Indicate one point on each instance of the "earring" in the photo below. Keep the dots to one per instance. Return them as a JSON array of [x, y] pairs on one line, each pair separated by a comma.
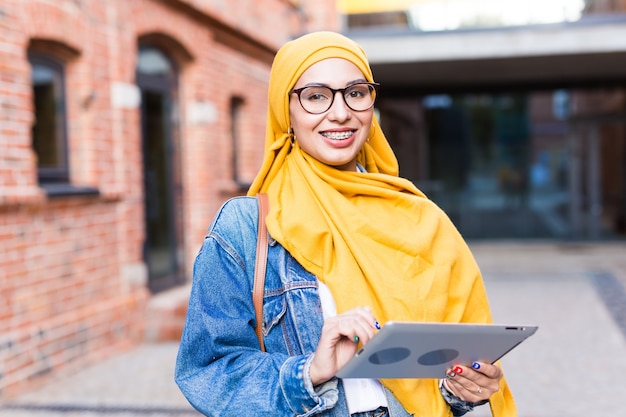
[[291, 135], [370, 135]]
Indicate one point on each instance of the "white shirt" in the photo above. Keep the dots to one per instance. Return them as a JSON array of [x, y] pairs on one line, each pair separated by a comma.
[[361, 394]]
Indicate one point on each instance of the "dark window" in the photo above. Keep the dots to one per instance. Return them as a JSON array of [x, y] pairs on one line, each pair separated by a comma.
[[236, 107], [157, 78], [49, 129]]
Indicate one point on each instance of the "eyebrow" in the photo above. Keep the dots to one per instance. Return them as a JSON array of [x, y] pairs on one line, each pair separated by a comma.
[[349, 83]]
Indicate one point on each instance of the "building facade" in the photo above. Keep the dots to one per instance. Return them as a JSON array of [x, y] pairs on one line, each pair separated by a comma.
[[510, 115], [123, 127]]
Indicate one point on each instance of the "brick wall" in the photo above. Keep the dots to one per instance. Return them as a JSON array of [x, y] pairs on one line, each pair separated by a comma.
[[72, 274]]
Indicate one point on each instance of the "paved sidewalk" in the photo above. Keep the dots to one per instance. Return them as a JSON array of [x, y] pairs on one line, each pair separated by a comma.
[[136, 383], [575, 293]]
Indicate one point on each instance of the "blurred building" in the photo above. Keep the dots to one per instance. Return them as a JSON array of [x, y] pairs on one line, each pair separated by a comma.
[[123, 127], [509, 114]]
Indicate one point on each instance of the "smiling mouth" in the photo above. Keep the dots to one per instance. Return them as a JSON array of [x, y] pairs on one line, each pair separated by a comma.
[[338, 135]]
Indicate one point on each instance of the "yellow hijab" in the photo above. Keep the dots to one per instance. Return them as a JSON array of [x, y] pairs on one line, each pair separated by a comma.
[[373, 238]]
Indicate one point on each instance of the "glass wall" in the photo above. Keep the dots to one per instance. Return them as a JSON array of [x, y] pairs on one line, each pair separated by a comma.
[[541, 164]]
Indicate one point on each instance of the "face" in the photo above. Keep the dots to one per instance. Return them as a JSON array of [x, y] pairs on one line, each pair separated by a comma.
[[336, 136]]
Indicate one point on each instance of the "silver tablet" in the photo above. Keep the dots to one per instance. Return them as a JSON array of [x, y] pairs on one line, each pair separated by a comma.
[[427, 350]]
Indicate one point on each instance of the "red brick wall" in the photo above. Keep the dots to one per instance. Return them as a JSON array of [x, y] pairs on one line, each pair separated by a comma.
[[72, 276], [62, 302]]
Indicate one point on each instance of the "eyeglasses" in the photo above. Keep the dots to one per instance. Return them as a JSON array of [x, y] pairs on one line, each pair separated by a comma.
[[317, 99]]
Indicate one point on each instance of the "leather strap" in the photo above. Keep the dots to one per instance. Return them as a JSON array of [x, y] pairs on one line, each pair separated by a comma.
[[260, 266]]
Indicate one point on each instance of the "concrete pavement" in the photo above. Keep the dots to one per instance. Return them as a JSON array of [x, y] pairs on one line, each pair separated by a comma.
[[139, 382], [574, 292]]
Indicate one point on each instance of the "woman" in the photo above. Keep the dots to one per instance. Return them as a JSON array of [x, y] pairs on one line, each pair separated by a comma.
[[352, 246]]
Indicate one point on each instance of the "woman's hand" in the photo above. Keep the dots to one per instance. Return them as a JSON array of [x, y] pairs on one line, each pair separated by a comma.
[[473, 383], [339, 342]]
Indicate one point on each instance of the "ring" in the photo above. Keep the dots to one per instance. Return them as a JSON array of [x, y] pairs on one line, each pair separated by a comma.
[[356, 339], [479, 390]]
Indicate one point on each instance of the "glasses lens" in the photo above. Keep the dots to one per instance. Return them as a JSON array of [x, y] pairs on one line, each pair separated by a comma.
[[316, 99], [360, 97]]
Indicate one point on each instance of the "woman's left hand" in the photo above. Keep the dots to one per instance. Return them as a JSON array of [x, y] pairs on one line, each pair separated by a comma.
[[473, 383]]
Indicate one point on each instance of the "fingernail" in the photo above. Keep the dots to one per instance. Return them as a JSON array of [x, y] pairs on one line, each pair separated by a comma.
[[476, 365], [377, 325], [356, 339], [458, 370], [450, 375]]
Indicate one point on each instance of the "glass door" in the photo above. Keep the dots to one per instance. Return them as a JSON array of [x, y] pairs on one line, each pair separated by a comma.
[[156, 79]]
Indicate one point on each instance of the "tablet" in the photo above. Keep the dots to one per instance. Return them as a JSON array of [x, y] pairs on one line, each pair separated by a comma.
[[427, 350]]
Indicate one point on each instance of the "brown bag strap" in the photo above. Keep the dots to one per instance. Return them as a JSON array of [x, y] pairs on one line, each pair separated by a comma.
[[260, 266]]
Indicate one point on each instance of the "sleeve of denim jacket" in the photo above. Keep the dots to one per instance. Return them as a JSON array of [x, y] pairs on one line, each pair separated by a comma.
[[220, 368], [457, 405]]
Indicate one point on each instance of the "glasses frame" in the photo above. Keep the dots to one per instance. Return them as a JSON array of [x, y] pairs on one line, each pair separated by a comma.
[[334, 92]]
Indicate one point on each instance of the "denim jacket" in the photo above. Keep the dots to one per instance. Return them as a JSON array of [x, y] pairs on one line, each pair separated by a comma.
[[220, 368]]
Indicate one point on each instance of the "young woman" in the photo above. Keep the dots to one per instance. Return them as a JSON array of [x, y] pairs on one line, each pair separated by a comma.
[[352, 246]]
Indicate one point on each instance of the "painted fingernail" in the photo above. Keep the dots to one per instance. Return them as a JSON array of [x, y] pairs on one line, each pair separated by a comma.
[[377, 325], [356, 339], [458, 370], [450, 375], [476, 365]]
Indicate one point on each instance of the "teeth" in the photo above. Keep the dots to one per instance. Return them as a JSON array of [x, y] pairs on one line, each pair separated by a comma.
[[338, 135]]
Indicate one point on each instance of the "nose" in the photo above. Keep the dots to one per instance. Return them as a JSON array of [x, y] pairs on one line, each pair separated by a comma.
[[339, 110]]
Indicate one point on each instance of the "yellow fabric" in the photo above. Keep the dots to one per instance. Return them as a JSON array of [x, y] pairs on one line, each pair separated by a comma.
[[372, 238]]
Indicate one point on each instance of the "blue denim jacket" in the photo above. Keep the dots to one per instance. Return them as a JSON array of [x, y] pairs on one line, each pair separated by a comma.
[[219, 367]]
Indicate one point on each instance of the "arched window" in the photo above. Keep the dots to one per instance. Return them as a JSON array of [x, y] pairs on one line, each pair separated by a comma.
[[155, 67], [49, 131]]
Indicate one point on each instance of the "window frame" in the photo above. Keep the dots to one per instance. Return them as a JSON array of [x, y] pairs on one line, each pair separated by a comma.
[[59, 174]]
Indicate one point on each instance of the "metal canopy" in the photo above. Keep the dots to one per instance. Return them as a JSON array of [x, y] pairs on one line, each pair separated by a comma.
[[592, 50]]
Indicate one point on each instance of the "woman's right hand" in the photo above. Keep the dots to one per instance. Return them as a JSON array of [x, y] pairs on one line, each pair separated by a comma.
[[338, 342]]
